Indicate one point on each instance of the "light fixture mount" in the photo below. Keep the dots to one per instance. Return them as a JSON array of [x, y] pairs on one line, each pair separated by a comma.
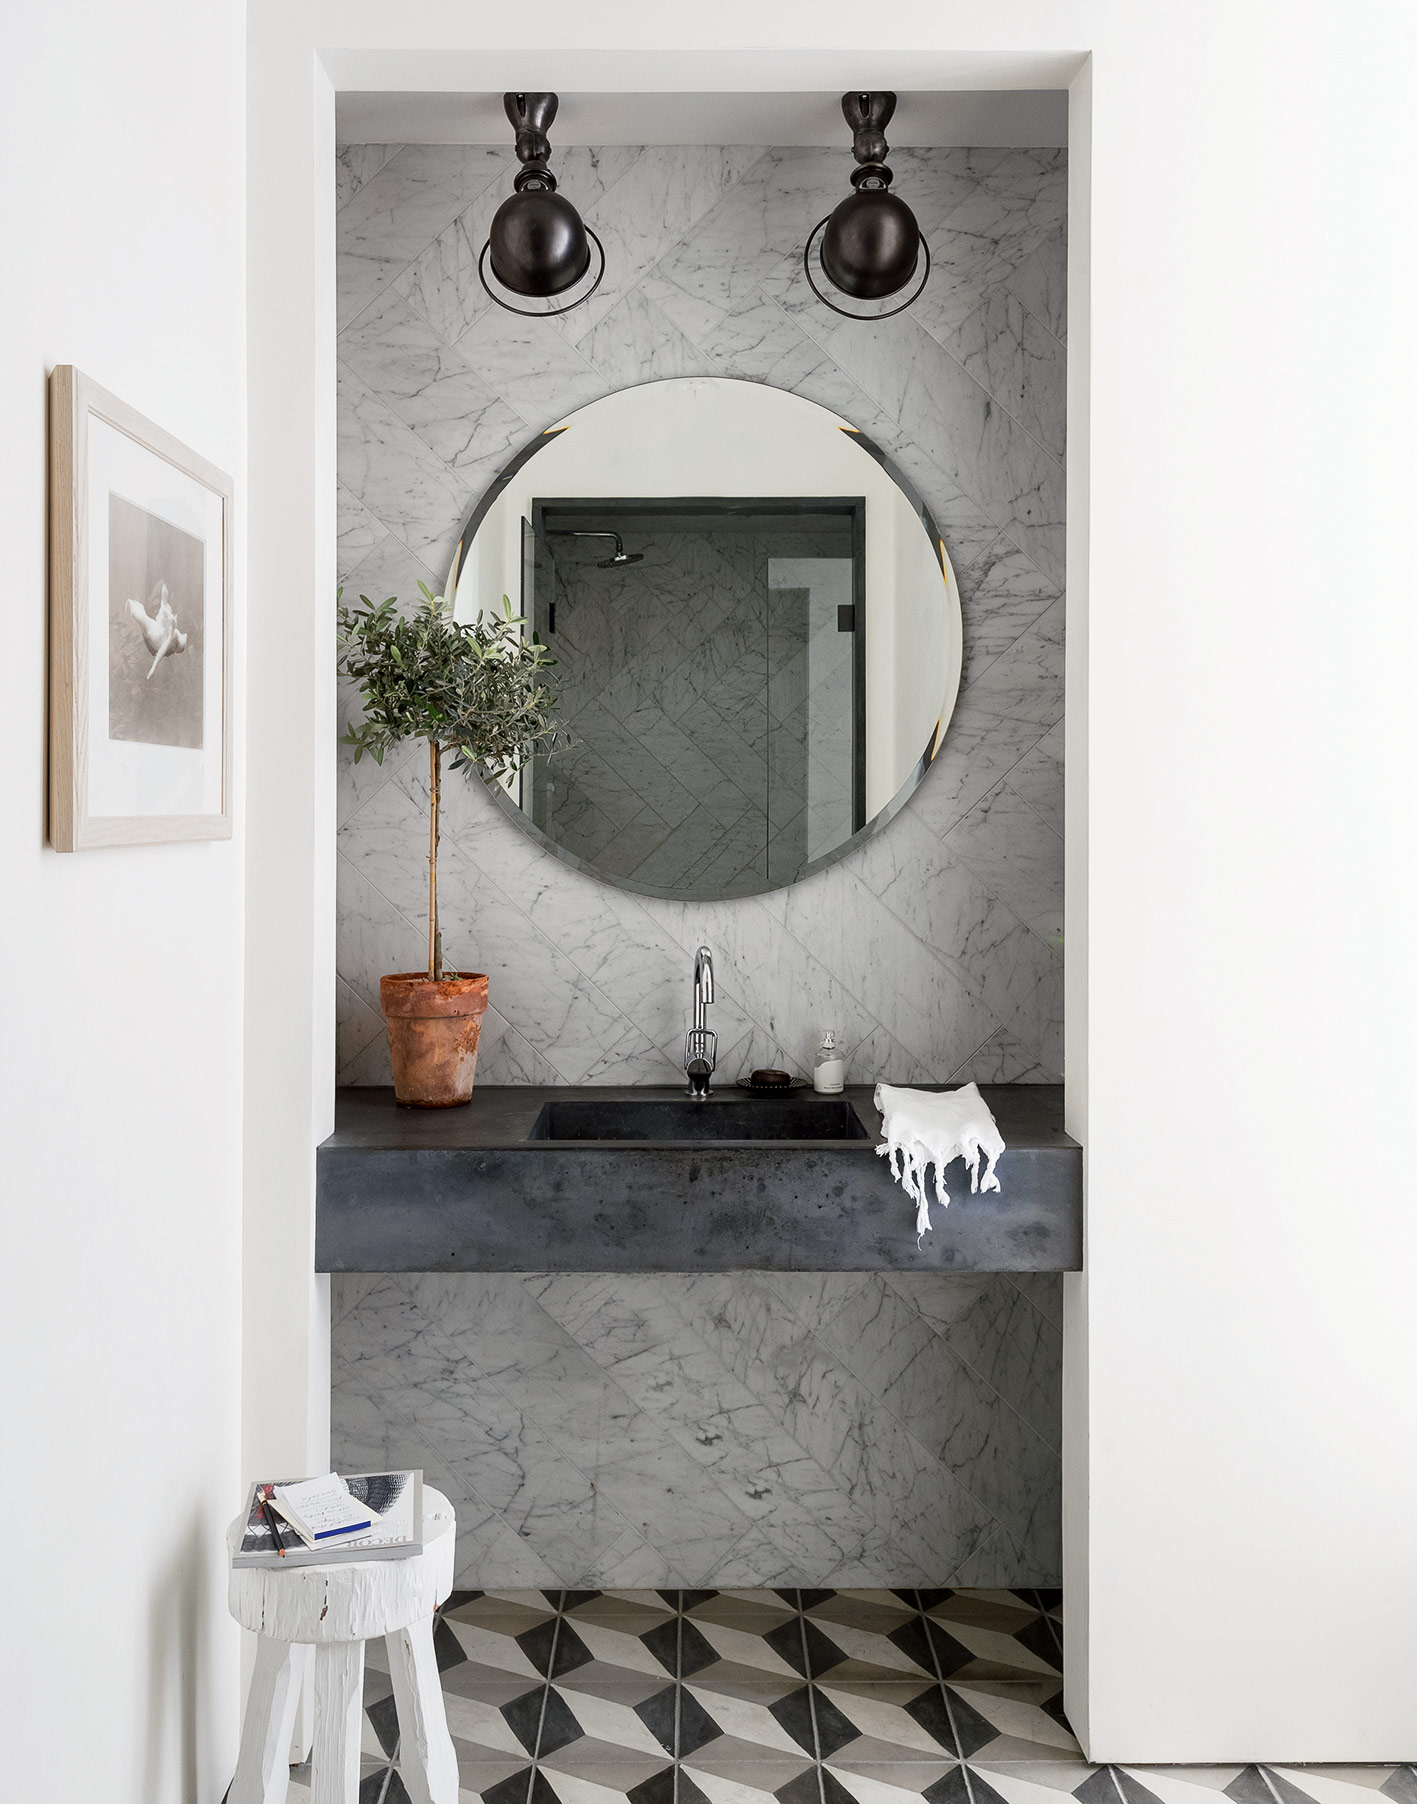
[[871, 244], [538, 247]]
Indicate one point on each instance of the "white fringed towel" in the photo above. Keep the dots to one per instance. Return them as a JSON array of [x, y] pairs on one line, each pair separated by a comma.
[[928, 1127]]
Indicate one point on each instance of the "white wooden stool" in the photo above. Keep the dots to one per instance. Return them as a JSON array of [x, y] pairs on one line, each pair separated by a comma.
[[334, 1610]]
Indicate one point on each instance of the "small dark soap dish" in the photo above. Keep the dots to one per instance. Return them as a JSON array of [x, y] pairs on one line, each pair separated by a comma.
[[769, 1080]]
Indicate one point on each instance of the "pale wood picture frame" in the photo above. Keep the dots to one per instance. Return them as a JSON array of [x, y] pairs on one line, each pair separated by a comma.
[[85, 809]]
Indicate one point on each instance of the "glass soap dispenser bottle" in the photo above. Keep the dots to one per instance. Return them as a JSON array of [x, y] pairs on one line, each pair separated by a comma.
[[829, 1067]]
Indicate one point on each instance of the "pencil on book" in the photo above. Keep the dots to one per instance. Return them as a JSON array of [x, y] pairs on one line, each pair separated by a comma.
[[270, 1520]]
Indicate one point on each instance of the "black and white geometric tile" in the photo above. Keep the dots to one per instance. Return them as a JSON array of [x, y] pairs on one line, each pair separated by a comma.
[[784, 1697]]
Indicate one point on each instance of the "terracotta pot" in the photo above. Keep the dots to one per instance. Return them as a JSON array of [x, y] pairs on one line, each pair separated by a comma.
[[433, 1027]]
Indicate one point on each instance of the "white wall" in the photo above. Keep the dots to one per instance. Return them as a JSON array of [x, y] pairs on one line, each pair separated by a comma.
[[1243, 1475], [121, 134]]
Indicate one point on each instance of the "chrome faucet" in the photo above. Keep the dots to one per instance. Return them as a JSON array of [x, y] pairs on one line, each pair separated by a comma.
[[701, 1042]]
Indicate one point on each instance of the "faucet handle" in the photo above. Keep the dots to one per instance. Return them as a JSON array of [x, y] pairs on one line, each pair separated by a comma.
[[701, 1044]]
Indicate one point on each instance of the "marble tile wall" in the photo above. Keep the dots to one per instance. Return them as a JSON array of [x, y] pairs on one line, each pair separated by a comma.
[[719, 1429], [935, 951], [746, 1429]]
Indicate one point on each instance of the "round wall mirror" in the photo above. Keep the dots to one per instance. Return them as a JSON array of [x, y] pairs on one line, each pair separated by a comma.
[[755, 625]]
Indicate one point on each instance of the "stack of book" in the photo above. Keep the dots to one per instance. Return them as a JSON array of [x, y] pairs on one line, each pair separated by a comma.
[[318, 1521]]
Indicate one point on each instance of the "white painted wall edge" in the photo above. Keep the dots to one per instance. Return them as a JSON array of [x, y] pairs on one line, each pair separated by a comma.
[[1076, 1427]]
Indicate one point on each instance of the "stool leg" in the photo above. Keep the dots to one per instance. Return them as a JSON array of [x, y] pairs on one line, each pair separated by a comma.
[[262, 1767], [304, 1733], [339, 1718], [428, 1765]]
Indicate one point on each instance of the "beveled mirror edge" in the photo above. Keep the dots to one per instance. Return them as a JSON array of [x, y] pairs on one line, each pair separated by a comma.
[[884, 815]]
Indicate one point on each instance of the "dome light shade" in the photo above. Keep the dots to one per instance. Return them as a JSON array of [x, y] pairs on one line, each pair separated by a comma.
[[538, 246], [539, 243], [871, 244], [871, 247]]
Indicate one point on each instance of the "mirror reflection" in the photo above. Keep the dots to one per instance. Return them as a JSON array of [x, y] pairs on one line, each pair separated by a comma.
[[755, 626]]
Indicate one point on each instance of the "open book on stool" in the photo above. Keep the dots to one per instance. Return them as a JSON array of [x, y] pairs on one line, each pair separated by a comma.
[[329, 1520]]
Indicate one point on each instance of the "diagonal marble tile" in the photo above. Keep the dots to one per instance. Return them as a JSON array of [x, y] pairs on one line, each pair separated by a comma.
[[835, 1418], [1041, 283], [1017, 1351], [1017, 857], [504, 1057], [1020, 363], [431, 387], [634, 1330], [1037, 779], [441, 282], [929, 887], [745, 236], [649, 209], [756, 341], [537, 371], [355, 164], [1003, 1059], [394, 473], [1002, 593], [358, 532], [396, 213], [374, 936], [635, 342], [864, 944], [796, 1513], [1006, 212]]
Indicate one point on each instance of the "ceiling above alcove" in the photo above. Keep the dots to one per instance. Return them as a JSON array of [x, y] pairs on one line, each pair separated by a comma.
[[1018, 117]]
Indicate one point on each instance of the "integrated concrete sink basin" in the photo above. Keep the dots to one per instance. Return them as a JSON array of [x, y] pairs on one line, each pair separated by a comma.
[[717, 1119], [633, 1179]]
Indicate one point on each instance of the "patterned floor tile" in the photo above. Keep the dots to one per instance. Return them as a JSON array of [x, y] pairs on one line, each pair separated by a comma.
[[783, 1697], [874, 1647], [713, 1653], [697, 1785], [743, 1763], [1348, 1784], [570, 1788], [638, 1720], [874, 1721], [887, 1782], [756, 1612], [482, 1771], [1185, 1785]]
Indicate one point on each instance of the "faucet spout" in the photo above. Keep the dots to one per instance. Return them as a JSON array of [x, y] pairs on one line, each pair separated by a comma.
[[701, 1042]]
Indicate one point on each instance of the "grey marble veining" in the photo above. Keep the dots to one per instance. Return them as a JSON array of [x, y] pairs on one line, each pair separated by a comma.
[[436, 385], [707, 1430], [935, 950], [391, 217]]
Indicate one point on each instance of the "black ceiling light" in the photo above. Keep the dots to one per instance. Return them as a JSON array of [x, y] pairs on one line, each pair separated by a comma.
[[539, 246], [871, 245]]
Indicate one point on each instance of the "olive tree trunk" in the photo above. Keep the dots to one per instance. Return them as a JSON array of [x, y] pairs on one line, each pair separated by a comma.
[[435, 786]]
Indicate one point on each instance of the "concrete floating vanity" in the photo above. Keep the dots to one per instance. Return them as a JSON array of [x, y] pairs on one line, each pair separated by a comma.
[[513, 1183]]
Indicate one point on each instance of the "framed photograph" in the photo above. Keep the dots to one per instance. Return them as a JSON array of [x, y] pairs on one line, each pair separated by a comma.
[[140, 551]]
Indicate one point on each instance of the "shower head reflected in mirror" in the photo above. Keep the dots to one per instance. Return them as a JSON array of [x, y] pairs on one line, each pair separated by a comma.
[[620, 555]]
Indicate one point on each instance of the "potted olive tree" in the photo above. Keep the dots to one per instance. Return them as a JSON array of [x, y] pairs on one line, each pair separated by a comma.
[[479, 693]]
